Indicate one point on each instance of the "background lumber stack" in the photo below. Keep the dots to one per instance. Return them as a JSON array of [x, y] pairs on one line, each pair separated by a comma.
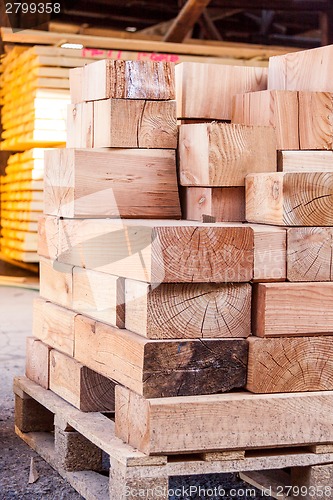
[[22, 204], [34, 95]]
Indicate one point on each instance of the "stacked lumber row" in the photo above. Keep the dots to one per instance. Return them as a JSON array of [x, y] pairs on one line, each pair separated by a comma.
[[294, 318], [22, 205], [215, 156]]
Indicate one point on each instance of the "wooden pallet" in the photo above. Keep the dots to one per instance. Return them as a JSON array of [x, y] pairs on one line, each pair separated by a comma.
[[73, 442]]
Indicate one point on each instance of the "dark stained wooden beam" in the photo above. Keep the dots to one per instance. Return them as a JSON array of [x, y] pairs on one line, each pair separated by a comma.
[[185, 20]]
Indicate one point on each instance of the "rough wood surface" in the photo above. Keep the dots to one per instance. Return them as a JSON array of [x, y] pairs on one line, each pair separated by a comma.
[[54, 325], [76, 84], [196, 81], [224, 204], [270, 249], [285, 309], [291, 199], [37, 362], [222, 154], [188, 310], [80, 125], [290, 364], [129, 123], [158, 251], [99, 295], [305, 161], [314, 479], [160, 368], [128, 80], [111, 183], [56, 282], [310, 254], [317, 132], [80, 386], [223, 421], [308, 70], [270, 108]]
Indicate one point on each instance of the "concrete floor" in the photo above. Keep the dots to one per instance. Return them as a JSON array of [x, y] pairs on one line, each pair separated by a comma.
[[15, 326]]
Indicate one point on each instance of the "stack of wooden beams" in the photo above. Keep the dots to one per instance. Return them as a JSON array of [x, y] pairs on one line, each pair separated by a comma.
[[22, 205], [293, 319], [149, 316]]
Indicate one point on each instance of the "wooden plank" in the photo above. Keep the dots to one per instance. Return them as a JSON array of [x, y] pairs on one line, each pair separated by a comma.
[[274, 108], [271, 483], [290, 365], [316, 133], [99, 295], [285, 309], [76, 84], [48, 237], [291, 199], [80, 125], [37, 362], [185, 20], [160, 368], [80, 386], [107, 79], [188, 310], [54, 325], [222, 154], [161, 251], [308, 70], [305, 161], [130, 123], [141, 183], [222, 421], [309, 254], [56, 282], [194, 81], [270, 250], [226, 204]]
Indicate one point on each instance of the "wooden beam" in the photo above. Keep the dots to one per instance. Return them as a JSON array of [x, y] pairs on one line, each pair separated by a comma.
[[223, 421], [185, 20]]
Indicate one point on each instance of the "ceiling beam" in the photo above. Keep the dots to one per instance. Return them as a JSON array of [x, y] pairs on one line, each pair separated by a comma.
[[289, 5], [185, 20]]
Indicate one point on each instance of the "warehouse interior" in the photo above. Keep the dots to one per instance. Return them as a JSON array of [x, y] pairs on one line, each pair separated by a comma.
[[166, 176]]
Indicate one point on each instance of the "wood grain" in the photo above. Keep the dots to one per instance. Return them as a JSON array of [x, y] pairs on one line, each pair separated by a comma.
[[37, 362], [270, 253], [285, 309], [54, 325], [196, 81], [223, 421], [83, 388], [128, 80], [56, 282], [305, 161], [290, 365], [270, 108], [160, 368], [291, 199], [309, 254], [222, 154], [80, 125], [159, 251], [111, 183], [129, 123], [223, 204], [317, 132], [188, 310], [99, 295]]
